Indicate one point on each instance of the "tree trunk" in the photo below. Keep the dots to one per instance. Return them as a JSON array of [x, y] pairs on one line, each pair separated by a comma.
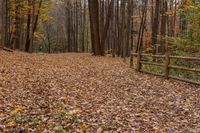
[[155, 26], [94, 23]]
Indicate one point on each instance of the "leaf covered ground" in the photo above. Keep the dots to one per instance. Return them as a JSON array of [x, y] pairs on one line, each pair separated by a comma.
[[83, 93]]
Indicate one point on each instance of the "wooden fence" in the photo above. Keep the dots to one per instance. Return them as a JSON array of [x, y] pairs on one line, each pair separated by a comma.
[[166, 65]]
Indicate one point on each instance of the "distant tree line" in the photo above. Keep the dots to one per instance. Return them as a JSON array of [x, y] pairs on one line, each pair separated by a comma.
[[115, 27]]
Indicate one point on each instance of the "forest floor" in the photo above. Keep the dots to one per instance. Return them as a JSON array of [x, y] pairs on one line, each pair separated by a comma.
[[82, 93]]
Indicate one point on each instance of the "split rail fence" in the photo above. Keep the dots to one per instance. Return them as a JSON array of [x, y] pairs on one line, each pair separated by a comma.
[[166, 65]]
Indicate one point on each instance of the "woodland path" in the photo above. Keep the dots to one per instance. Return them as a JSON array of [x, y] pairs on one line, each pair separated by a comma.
[[83, 93]]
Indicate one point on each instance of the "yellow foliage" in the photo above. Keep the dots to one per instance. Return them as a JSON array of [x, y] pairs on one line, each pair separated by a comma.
[[38, 35], [17, 110], [11, 123]]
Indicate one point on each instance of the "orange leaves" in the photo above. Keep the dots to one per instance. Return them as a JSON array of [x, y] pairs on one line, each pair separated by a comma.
[[83, 127]]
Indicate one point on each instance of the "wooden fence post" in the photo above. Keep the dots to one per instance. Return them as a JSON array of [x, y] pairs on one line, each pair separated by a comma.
[[139, 61], [166, 66], [131, 61]]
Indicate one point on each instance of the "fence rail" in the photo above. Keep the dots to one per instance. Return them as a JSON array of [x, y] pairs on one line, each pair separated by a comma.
[[166, 65]]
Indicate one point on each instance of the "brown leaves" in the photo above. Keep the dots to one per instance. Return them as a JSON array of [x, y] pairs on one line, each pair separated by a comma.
[[82, 93], [1, 85]]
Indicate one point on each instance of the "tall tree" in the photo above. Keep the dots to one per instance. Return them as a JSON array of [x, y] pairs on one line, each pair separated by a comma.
[[94, 23]]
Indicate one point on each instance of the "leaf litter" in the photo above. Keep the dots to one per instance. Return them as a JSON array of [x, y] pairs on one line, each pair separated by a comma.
[[82, 93]]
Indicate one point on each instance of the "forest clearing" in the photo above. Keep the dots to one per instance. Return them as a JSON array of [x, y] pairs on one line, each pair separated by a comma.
[[82, 93]]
